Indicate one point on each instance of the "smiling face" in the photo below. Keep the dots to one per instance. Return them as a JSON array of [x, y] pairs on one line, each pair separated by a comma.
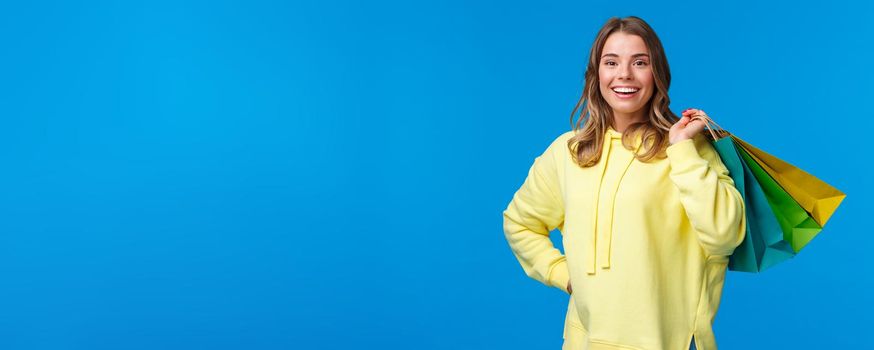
[[625, 76]]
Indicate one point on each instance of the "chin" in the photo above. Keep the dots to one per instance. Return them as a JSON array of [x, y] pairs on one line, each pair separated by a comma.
[[626, 109]]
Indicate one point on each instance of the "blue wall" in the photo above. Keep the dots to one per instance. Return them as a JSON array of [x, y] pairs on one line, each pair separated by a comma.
[[331, 175]]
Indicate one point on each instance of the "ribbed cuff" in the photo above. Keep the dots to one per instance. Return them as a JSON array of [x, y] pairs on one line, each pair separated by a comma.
[[558, 275], [681, 152]]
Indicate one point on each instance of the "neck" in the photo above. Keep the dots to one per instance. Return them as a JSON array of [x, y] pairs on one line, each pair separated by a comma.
[[621, 121]]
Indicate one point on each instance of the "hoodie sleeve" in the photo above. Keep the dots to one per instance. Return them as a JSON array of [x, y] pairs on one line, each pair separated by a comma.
[[713, 205], [536, 209]]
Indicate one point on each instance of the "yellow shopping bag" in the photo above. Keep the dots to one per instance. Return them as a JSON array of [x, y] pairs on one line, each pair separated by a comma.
[[815, 196]]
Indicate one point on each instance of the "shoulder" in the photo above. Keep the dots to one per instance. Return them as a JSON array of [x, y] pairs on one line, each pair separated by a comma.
[[556, 151], [559, 144], [566, 135], [562, 139]]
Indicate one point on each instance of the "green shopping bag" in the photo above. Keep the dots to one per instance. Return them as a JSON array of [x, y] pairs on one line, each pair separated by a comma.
[[763, 245]]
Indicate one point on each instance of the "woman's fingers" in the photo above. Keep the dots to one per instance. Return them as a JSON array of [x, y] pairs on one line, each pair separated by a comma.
[[690, 115], [695, 113], [696, 125]]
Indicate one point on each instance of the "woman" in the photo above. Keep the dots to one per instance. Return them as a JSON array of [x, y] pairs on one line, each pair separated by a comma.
[[646, 209]]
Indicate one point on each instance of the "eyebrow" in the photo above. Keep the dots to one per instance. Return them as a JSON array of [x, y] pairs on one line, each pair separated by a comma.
[[632, 56]]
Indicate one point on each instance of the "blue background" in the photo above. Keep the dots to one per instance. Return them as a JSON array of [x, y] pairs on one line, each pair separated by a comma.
[[331, 174]]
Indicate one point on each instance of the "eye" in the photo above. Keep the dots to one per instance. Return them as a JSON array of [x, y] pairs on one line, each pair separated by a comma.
[[640, 63], [609, 63]]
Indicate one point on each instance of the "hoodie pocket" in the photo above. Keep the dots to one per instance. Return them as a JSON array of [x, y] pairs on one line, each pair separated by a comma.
[[573, 328], [711, 293], [575, 336]]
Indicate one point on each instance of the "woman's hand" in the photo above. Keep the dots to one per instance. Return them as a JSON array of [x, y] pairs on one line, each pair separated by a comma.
[[569, 291], [686, 127]]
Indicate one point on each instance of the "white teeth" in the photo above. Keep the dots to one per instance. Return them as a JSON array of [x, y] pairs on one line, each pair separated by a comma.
[[625, 90]]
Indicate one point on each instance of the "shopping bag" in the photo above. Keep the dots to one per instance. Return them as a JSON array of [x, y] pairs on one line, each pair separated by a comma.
[[763, 245], [760, 178], [797, 224], [818, 198]]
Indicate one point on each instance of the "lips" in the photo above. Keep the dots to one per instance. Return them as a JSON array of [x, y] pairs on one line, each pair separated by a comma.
[[625, 91]]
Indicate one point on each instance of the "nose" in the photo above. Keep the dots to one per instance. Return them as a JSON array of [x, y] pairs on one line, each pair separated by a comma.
[[625, 72]]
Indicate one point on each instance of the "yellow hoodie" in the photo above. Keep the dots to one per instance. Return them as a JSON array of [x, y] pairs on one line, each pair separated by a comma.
[[646, 243]]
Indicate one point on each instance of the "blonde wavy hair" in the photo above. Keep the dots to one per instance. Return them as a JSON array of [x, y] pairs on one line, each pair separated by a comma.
[[596, 115]]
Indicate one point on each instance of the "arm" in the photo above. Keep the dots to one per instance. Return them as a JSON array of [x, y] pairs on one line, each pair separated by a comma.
[[714, 206], [536, 209]]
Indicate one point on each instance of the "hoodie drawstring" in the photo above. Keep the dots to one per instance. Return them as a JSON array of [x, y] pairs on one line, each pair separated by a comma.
[[602, 241]]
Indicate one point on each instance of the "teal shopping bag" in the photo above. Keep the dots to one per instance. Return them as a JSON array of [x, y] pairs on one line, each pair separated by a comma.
[[763, 245]]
